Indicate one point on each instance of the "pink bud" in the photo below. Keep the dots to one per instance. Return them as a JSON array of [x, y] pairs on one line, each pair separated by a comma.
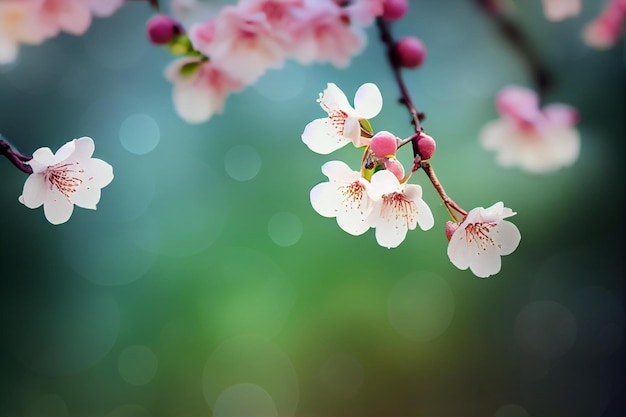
[[451, 228], [384, 144], [162, 29], [411, 52], [426, 146], [395, 9], [395, 167]]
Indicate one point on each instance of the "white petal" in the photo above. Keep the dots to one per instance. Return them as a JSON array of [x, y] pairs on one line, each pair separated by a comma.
[[391, 233], [64, 152], [457, 249], [352, 218], [84, 148], [494, 134], [507, 236], [99, 174], [86, 197], [325, 199], [43, 156], [383, 182], [339, 171], [485, 263], [58, 210], [556, 10], [333, 98], [34, 192], [368, 101], [424, 216], [193, 104], [322, 137]]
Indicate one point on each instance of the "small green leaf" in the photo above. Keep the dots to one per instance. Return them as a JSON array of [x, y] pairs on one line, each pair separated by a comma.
[[189, 68], [365, 124]]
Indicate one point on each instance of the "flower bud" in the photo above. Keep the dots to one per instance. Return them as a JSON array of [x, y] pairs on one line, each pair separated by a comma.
[[451, 228], [411, 52], [395, 9], [393, 165], [162, 29], [426, 146], [383, 144]]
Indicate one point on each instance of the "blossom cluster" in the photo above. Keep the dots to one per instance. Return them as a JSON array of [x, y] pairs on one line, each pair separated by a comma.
[[379, 196], [236, 46], [33, 21], [603, 31], [538, 140]]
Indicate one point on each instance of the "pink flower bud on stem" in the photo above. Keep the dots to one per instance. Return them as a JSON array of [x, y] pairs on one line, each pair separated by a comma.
[[451, 228], [383, 144], [162, 29], [395, 167], [395, 9], [426, 146], [411, 52]]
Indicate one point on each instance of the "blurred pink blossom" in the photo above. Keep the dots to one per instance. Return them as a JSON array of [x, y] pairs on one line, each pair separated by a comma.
[[537, 140], [606, 29], [557, 10]]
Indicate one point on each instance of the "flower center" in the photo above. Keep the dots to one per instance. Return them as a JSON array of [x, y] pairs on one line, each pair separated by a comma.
[[352, 194], [64, 178], [396, 205], [337, 116], [478, 233]]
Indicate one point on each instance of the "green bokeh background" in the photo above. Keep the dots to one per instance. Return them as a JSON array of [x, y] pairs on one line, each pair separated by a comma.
[[206, 285]]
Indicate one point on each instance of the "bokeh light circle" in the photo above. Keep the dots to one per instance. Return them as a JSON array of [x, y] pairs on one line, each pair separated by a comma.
[[244, 400], [342, 375], [545, 328], [242, 162], [137, 365], [139, 134], [420, 306], [252, 360], [285, 229]]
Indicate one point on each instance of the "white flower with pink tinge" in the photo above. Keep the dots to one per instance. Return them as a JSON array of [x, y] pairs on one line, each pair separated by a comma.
[[344, 196], [69, 177], [201, 90], [342, 124], [537, 140], [397, 209], [482, 238], [557, 10]]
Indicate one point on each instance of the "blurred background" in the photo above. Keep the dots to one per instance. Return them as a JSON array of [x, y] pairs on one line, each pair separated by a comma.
[[206, 285]]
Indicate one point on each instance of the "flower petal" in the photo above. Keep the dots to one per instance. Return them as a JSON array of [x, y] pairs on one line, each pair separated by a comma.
[[333, 98], [391, 231], [99, 173], [322, 137], [86, 197], [485, 263], [34, 192], [325, 199], [368, 101], [84, 148], [57, 210], [339, 171], [352, 216], [508, 237]]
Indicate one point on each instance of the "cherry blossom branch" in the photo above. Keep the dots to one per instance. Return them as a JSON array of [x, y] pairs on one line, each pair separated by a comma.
[[515, 36], [394, 61], [16, 158]]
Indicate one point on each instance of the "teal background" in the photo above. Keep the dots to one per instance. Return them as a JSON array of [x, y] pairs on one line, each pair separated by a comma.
[[206, 285]]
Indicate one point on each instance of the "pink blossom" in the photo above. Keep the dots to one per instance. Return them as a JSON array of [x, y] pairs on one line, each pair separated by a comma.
[[363, 12], [241, 43], [105, 8], [326, 34], [537, 140], [200, 88], [53, 16], [556, 10], [605, 30], [17, 26]]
